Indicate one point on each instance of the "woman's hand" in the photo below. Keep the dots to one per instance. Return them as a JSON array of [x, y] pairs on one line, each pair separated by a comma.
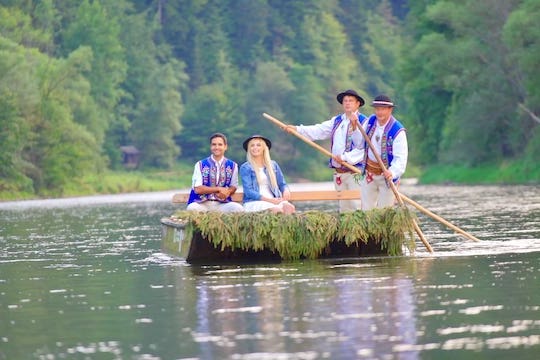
[[274, 201], [286, 195]]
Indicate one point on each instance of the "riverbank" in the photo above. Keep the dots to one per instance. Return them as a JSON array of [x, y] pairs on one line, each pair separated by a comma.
[[119, 182], [114, 182], [514, 173]]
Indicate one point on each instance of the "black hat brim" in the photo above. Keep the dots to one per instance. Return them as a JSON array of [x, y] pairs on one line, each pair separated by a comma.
[[340, 97], [268, 142]]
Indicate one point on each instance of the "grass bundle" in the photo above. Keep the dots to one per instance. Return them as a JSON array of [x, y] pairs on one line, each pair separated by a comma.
[[303, 234]]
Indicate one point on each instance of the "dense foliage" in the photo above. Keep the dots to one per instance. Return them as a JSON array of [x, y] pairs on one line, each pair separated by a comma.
[[81, 78]]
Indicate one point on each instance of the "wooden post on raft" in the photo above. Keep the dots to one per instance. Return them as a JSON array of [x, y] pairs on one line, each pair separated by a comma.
[[355, 169]]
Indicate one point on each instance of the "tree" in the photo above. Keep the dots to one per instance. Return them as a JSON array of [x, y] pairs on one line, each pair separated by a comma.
[[247, 36], [157, 121], [211, 110], [270, 88], [153, 104], [427, 96], [522, 36], [374, 34], [63, 150], [327, 50], [380, 50], [195, 32], [43, 143], [17, 26], [459, 68], [95, 28], [217, 107], [13, 133], [19, 98]]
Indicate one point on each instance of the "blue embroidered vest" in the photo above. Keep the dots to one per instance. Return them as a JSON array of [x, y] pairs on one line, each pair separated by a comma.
[[209, 171], [349, 144], [391, 130]]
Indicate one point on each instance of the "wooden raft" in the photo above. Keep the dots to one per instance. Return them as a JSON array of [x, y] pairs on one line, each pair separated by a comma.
[[296, 195]]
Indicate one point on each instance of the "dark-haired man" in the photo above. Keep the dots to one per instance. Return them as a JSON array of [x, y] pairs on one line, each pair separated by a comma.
[[215, 179]]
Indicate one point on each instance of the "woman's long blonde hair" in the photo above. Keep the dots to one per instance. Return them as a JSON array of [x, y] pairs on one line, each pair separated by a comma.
[[266, 160]]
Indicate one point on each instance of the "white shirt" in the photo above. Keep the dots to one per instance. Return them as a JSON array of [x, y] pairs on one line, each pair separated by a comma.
[[323, 131], [264, 186]]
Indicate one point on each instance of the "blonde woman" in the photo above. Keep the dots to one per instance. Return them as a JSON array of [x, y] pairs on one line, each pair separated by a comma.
[[262, 179]]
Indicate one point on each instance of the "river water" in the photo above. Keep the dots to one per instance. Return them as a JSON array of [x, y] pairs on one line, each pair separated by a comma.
[[85, 278]]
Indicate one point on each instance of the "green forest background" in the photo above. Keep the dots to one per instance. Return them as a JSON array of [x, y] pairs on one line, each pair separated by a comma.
[[81, 78]]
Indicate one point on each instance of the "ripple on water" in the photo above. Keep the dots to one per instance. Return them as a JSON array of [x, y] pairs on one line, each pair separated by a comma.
[[78, 265]]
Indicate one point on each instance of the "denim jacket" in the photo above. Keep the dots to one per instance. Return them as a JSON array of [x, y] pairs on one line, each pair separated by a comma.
[[251, 186]]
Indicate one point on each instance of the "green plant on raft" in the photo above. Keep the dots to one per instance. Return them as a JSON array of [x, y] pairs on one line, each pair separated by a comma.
[[390, 227], [303, 235]]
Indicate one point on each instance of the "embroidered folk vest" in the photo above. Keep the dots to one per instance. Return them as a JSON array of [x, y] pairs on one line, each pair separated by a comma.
[[349, 144], [391, 130], [209, 172]]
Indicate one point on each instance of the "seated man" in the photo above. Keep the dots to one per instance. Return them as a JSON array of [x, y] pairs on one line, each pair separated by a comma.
[[214, 180]]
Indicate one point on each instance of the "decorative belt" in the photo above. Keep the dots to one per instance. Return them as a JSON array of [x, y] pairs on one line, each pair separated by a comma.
[[373, 167], [343, 171]]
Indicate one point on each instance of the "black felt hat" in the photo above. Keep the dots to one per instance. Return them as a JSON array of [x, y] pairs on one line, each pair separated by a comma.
[[268, 142], [382, 101], [351, 93]]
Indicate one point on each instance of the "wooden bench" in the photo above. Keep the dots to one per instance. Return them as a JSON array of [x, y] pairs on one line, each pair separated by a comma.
[[296, 195]]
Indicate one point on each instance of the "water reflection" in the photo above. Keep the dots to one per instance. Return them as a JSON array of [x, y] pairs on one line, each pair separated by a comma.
[[486, 304], [88, 280], [353, 309], [505, 218]]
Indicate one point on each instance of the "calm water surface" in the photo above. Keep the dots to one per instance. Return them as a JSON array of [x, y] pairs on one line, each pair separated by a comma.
[[85, 279]]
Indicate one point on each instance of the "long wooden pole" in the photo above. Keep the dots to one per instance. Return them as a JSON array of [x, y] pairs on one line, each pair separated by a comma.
[[355, 169]]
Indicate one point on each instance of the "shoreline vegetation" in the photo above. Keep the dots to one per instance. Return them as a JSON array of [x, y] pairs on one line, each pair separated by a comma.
[[124, 181], [91, 87]]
